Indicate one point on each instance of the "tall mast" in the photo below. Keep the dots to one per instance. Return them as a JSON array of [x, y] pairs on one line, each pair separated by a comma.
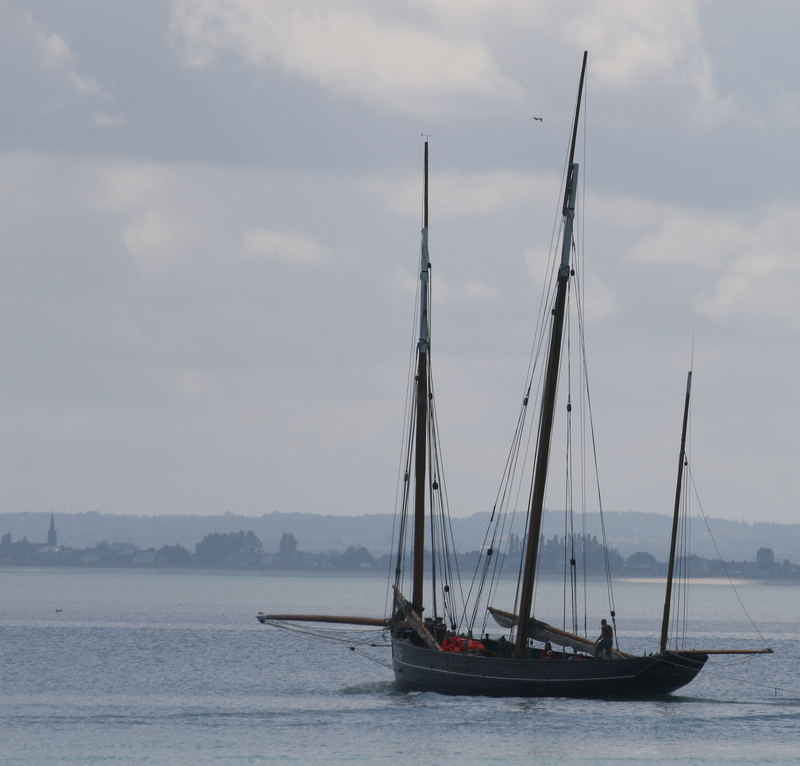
[[674, 539], [421, 428], [549, 391]]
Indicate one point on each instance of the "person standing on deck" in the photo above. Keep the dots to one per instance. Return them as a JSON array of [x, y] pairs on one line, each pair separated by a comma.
[[605, 643]]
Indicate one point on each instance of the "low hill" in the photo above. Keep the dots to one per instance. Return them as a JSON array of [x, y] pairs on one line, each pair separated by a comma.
[[627, 531]]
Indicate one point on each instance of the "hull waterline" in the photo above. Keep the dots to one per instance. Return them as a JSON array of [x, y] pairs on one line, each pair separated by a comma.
[[421, 669]]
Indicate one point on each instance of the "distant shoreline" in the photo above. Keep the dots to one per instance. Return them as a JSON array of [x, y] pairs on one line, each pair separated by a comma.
[[629, 532], [340, 573]]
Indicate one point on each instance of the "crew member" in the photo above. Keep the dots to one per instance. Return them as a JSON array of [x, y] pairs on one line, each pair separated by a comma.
[[605, 643]]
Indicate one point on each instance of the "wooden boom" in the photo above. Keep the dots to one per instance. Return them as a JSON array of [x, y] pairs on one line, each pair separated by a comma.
[[768, 650], [377, 622]]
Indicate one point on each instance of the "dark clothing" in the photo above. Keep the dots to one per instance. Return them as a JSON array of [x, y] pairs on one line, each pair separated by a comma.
[[605, 644]]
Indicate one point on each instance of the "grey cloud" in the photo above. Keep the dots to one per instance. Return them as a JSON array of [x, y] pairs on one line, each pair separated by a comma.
[[200, 268]]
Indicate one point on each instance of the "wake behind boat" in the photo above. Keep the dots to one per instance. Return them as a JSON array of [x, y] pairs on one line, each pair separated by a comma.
[[439, 636]]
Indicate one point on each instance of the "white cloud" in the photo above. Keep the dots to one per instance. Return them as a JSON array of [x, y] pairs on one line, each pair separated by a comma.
[[51, 52], [742, 270], [120, 186], [697, 239], [156, 228], [156, 240], [171, 218], [468, 291], [348, 48], [449, 56], [103, 119], [537, 260], [285, 246], [55, 54], [599, 300], [764, 286], [633, 42], [786, 106], [466, 194], [629, 41], [761, 279], [476, 11], [629, 213]]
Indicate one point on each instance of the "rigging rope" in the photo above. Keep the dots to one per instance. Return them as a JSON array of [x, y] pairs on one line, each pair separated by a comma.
[[722, 562], [593, 441], [442, 561], [738, 661], [518, 463], [292, 628], [403, 476], [579, 264]]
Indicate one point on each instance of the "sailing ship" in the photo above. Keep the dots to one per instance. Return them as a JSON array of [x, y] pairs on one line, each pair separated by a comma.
[[449, 652]]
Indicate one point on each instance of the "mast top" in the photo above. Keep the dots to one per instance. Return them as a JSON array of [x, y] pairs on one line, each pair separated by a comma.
[[570, 179], [578, 108], [425, 194]]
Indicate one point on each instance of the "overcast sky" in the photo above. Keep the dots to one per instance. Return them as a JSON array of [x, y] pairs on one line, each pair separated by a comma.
[[210, 214]]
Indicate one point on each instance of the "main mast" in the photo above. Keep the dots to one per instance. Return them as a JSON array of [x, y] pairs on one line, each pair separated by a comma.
[[675, 514], [421, 426], [549, 391]]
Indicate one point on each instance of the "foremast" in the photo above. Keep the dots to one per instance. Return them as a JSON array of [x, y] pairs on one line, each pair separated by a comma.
[[549, 391], [675, 516], [421, 424]]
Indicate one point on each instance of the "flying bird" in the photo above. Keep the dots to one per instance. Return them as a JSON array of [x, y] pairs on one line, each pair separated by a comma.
[[538, 119]]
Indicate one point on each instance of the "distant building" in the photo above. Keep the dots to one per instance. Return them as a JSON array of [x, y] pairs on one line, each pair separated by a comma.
[[145, 557], [52, 535]]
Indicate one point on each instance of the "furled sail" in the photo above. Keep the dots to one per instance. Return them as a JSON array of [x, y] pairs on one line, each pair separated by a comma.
[[541, 631]]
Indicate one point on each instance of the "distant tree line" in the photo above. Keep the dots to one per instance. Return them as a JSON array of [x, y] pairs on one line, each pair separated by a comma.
[[244, 550], [226, 550]]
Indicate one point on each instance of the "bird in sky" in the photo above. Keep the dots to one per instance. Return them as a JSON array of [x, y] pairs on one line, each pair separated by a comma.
[[538, 119]]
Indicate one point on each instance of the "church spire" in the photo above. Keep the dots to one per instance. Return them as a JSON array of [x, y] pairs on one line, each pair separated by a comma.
[[52, 535]]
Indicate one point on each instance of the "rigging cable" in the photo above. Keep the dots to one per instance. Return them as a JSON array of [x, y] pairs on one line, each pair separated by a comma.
[[443, 551], [399, 528], [719, 556], [583, 384], [593, 441], [432, 484], [679, 616], [687, 531], [513, 472], [337, 639], [569, 526]]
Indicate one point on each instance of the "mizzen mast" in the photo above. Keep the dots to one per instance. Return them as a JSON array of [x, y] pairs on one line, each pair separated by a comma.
[[675, 516], [549, 390], [421, 424]]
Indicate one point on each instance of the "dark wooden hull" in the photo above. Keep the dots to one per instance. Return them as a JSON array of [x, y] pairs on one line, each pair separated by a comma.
[[418, 668]]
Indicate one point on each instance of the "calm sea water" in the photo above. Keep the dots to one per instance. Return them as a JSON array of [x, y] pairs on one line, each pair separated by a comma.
[[172, 668]]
